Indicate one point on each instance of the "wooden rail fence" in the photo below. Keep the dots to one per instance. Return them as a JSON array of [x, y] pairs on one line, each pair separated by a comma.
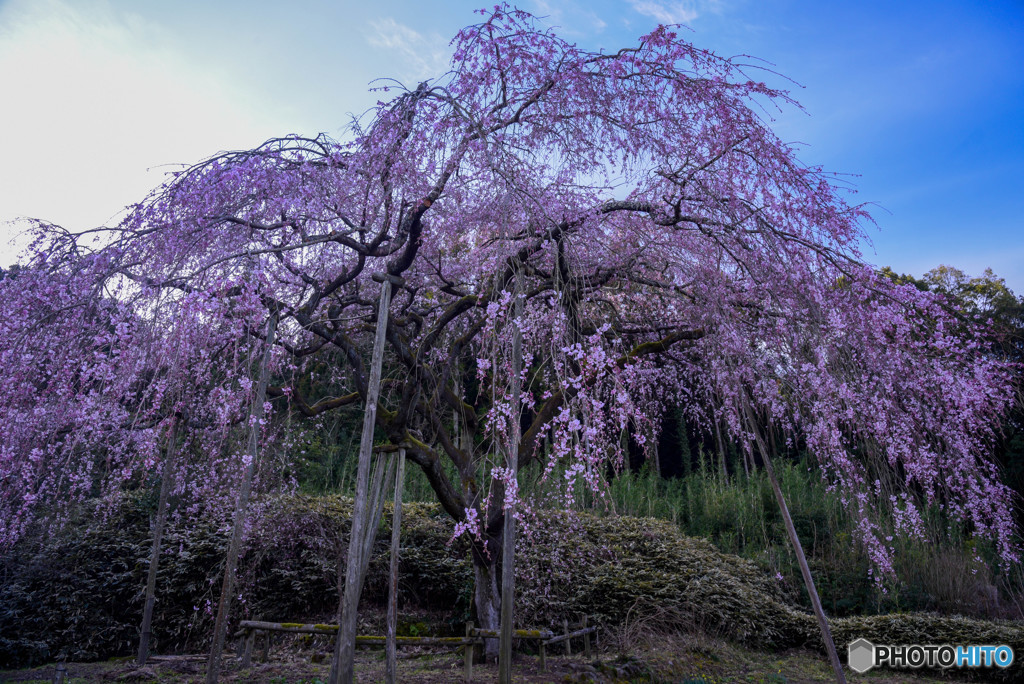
[[248, 629]]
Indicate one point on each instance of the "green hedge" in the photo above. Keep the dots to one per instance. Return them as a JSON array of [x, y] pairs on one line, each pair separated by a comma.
[[79, 594]]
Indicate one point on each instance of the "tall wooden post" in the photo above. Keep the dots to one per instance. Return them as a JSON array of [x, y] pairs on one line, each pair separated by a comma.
[[396, 525], [227, 589], [805, 569], [383, 469], [166, 485], [508, 542], [342, 667]]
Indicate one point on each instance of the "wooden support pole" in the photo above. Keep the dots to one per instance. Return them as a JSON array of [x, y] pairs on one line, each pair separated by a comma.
[[248, 627], [805, 569], [470, 648], [568, 642], [342, 666], [267, 637], [383, 469], [250, 640], [557, 639], [586, 638], [391, 667], [166, 485], [516, 634], [508, 543], [241, 510], [543, 655]]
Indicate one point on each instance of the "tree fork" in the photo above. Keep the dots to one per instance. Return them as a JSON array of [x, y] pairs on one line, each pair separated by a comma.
[[241, 509], [166, 484]]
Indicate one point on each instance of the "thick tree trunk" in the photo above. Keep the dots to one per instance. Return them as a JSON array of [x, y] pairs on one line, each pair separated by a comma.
[[166, 485], [487, 598], [241, 510]]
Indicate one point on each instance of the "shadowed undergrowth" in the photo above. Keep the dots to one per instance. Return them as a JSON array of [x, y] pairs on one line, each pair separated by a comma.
[[78, 595]]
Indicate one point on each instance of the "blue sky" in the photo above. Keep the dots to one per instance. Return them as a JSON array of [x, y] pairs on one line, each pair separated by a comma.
[[921, 102]]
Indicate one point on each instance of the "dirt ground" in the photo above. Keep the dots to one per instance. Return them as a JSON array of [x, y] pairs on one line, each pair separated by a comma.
[[683, 660]]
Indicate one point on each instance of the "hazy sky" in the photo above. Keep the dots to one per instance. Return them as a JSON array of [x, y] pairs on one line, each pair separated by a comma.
[[921, 102]]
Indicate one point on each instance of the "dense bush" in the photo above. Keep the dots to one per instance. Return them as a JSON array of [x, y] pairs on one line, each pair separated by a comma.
[[66, 596], [78, 594], [618, 568]]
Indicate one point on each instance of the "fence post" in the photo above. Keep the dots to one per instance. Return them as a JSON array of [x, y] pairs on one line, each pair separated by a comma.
[[568, 641], [250, 639], [543, 655], [267, 636], [586, 638], [470, 647]]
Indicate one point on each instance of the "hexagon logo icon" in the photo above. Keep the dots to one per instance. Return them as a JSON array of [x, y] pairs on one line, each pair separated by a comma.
[[861, 656]]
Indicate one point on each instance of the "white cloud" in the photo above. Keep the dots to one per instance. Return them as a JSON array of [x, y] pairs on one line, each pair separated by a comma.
[[674, 11], [569, 18], [421, 57]]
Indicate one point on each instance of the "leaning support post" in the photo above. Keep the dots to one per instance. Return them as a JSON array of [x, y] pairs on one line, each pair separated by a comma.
[[391, 666], [805, 569], [166, 485], [342, 666], [241, 509], [508, 542]]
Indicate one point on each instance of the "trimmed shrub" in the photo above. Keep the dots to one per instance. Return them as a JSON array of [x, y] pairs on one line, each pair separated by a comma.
[[79, 594]]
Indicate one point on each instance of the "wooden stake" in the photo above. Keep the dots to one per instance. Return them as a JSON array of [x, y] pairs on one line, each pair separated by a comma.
[[241, 509], [342, 666], [267, 637], [383, 470], [508, 542], [396, 525], [250, 641], [166, 485], [470, 648], [805, 569]]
